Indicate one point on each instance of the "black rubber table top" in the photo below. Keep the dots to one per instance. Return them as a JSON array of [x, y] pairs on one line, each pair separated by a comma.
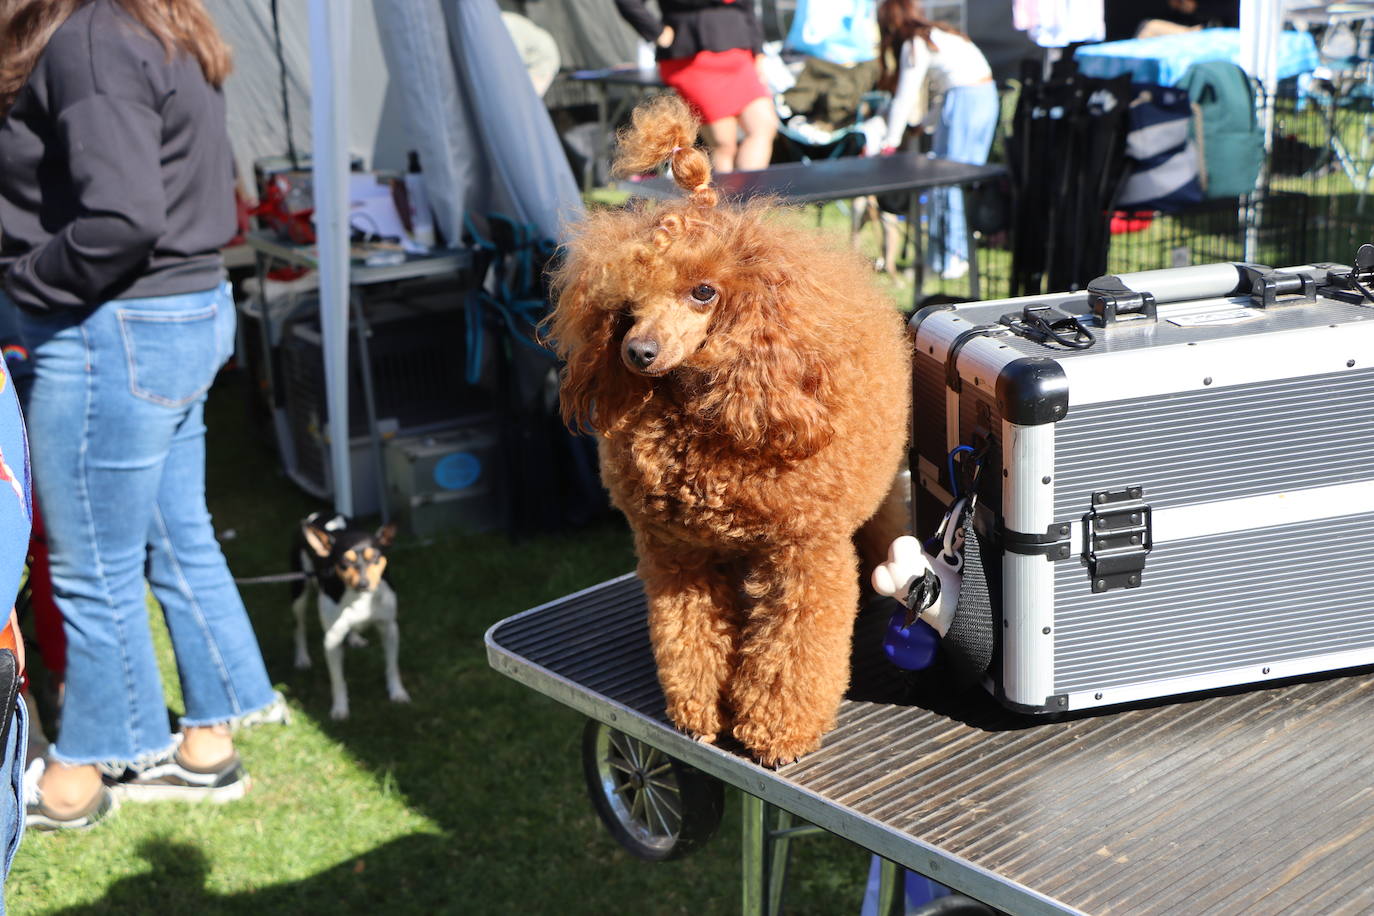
[[832, 179]]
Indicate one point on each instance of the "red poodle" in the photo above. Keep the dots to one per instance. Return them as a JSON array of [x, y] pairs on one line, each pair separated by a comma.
[[751, 389]]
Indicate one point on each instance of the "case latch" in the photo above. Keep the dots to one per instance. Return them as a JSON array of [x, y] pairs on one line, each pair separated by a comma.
[[1118, 533], [1110, 298], [1267, 285]]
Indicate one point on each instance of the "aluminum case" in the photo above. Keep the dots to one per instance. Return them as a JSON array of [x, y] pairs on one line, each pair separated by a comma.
[[1185, 505]]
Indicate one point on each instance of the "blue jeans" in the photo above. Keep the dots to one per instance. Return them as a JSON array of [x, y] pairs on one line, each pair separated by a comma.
[[117, 434], [968, 120], [12, 790]]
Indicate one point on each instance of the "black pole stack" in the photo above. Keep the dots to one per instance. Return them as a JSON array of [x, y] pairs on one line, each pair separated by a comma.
[[1067, 160]]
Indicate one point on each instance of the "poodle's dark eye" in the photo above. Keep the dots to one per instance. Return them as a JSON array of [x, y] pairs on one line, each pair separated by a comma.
[[704, 294]]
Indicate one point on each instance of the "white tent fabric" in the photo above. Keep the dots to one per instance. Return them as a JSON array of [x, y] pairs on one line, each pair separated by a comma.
[[434, 110], [510, 120], [253, 93], [488, 122]]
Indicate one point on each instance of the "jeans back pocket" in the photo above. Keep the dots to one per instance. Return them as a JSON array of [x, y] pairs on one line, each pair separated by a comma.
[[173, 355]]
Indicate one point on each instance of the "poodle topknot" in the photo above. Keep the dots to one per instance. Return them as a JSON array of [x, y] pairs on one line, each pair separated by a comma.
[[750, 388]]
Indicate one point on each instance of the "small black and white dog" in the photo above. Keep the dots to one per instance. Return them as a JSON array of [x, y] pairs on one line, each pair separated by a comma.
[[344, 566]]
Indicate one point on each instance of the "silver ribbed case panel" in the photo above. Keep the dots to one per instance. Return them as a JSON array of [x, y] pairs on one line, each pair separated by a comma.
[[1243, 600], [1208, 445], [1238, 601]]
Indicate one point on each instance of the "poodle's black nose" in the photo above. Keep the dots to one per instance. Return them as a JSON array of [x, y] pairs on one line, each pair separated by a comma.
[[642, 351]]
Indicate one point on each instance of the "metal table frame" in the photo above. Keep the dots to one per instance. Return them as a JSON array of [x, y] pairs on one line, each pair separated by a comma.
[[267, 248], [1242, 802], [820, 181]]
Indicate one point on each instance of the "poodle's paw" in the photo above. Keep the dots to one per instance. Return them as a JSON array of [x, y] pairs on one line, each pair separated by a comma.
[[774, 750], [339, 711], [302, 661], [355, 640], [906, 563], [703, 722]]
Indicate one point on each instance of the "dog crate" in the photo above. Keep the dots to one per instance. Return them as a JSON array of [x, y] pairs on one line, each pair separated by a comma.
[[448, 480], [417, 355]]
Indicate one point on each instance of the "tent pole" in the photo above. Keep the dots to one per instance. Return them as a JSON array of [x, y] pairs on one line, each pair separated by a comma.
[[1261, 21], [329, 51]]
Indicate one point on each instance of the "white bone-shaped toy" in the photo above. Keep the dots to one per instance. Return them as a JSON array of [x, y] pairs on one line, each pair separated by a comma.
[[906, 564]]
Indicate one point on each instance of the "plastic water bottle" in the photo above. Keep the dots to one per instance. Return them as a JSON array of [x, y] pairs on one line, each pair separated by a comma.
[[421, 219]]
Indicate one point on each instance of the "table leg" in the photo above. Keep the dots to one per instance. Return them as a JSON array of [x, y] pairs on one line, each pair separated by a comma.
[[602, 144], [754, 856], [918, 257], [779, 845], [271, 374], [369, 400], [974, 291], [891, 888]]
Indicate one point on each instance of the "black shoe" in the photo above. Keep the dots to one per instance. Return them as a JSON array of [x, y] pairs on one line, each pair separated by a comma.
[[172, 779]]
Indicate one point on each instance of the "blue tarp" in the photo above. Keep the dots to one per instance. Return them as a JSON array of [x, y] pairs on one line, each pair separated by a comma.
[[1163, 60]]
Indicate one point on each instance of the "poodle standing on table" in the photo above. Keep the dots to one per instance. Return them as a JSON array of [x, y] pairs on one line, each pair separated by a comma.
[[751, 390]]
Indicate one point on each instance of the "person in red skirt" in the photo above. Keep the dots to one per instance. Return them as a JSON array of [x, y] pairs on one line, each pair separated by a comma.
[[708, 51]]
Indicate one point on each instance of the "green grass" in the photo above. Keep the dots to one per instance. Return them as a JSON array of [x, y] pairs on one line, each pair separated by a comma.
[[468, 800]]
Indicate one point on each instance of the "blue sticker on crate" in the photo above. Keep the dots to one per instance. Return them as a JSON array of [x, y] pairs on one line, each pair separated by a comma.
[[457, 471]]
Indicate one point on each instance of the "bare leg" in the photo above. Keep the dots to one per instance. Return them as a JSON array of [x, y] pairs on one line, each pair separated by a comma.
[[68, 789], [206, 745], [794, 661], [693, 625], [760, 122], [724, 138]]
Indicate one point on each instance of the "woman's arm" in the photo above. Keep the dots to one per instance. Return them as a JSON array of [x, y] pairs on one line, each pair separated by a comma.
[[649, 26], [914, 64], [112, 147]]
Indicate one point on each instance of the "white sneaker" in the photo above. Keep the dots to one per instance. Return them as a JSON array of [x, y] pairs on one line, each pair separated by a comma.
[[954, 269]]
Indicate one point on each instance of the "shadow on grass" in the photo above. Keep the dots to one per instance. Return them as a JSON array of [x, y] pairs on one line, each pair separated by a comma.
[[176, 880]]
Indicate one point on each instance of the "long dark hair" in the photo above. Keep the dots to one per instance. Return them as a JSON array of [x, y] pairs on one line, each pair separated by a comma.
[[26, 26], [900, 21]]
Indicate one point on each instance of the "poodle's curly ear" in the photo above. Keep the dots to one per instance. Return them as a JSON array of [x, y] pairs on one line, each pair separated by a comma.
[[597, 391], [771, 390]]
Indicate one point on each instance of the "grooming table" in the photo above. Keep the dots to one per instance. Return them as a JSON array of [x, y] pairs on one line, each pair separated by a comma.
[[822, 180], [1247, 802]]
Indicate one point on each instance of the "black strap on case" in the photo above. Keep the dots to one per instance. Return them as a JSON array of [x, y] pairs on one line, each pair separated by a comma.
[[968, 644]]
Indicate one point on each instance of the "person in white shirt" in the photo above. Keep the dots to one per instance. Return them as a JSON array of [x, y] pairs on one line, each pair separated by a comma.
[[912, 49]]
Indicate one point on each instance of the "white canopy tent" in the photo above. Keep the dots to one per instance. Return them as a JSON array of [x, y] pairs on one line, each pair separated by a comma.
[[487, 141], [484, 135]]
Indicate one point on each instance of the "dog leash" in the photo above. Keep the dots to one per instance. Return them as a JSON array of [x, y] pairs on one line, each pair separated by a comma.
[[275, 577]]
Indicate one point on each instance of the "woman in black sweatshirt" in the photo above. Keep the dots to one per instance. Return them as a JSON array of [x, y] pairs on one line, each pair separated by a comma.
[[707, 51], [116, 194]]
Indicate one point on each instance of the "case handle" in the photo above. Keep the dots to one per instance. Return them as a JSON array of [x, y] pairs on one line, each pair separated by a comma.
[[1110, 297]]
